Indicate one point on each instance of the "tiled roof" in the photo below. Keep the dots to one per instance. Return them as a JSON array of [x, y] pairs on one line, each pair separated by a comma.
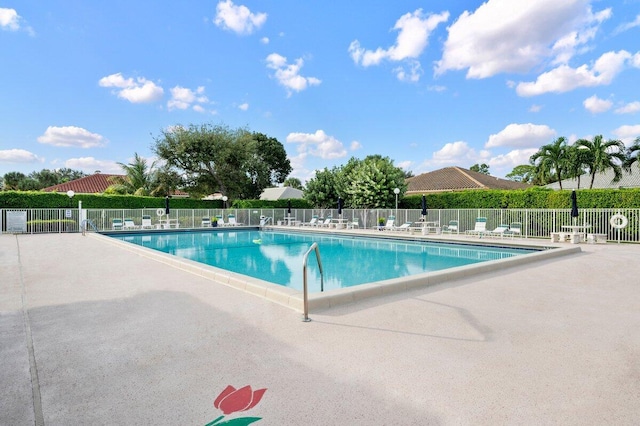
[[457, 179], [602, 181], [94, 184]]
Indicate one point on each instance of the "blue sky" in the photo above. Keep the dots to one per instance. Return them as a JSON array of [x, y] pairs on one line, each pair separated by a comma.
[[430, 84]]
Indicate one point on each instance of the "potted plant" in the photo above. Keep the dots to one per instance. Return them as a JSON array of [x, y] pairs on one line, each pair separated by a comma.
[[381, 221], [214, 222]]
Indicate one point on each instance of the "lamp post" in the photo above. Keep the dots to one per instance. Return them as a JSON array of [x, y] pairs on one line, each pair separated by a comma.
[[224, 201], [396, 191]]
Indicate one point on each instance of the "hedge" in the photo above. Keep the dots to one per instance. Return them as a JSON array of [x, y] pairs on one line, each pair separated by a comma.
[[536, 198]]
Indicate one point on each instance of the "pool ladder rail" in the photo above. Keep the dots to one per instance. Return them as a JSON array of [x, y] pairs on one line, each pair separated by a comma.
[[305, 291]]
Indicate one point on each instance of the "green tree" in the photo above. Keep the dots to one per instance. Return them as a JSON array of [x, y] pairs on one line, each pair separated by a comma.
[[602, 156], [550, 161], [12, 180], [524, 173], [372, 181], [321, 190], [576, 161], [45, 178], [138, 179], [480, 168], [632, 155], [293, 182], [233, 162]]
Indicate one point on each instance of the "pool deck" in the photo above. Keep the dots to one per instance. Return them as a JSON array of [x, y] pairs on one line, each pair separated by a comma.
[[94, 334]]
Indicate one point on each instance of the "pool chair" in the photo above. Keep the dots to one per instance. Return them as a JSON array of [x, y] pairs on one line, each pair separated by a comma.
[[500, 231], [146, 222], [389, 226], [232, 220], [404, 227], [129, 224], [451, 228], [312, 222], [479, 229], [515, 229], [326, 223], [117, 225], [206, 222], [353, 224], [221, 222]]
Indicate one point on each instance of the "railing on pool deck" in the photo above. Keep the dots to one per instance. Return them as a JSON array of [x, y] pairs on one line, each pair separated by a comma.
[[305, 289], [536, 223]]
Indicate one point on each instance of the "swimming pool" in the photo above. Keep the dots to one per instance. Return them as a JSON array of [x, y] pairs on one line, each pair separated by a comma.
[[347, 260]]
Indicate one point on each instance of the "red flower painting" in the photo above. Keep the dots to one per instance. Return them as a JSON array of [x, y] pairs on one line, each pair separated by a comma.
[[232, 400]]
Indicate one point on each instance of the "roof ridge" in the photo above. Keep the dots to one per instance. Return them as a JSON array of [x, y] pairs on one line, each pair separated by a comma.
[[464, 172]]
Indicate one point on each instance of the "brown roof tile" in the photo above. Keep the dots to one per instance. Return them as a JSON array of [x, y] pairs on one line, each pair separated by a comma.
[[94, 184], [457, 179]]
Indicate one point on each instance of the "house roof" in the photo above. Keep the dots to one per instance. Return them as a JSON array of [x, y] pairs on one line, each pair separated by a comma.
[[93, 184], [601, 181], [457, 179], [281, 193]]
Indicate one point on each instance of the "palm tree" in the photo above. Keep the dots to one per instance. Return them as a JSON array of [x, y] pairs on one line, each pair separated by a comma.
[[139, 178], [577, 159], [602, 156], [633, 155], [551, 159]]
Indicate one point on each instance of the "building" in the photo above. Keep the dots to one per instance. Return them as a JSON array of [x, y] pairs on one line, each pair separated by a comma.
[[95, 184], [457, 179], [281, 193], [602, 181]]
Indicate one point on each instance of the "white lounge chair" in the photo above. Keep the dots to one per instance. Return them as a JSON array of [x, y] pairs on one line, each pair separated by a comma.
[[353, 224], [232, 220], [515, 229], [146, 222], [389, 226], [480, 227], [129, 224], [221, 221], [312, 222], [117, 225], [326, 223], [451, 228], [404, 227], [500, 231], [206, 222]]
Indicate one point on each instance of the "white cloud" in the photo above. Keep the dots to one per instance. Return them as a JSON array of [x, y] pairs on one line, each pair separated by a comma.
[[630, 108], [457, 153], [244, 106], [288, 75], [90, 165], [18, 156], [627, 133], [564, 78], [535, 108], [184, 98], [595, 105], [413, 37], [264, 40], [238, 19], [136, 91], [71, 136], [355, 145], [628, 25], [518, 35], [521, 135], [512, 158], [11, 21], [411, 73], [318, 144]]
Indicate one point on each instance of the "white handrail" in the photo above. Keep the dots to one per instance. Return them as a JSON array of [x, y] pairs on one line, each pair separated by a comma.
[[315, 247]]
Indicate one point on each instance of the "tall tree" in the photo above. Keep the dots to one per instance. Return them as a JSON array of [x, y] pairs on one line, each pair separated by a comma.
[[12, 180], [372, 181], [602, 156], [139, 177], [321, 189], [480, 168], [550, 160], [293, 182], [632, 155], [233, 162], [524, 173]]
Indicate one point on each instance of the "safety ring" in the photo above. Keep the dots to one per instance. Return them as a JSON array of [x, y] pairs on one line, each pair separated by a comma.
[[618, 221], [160, 212]]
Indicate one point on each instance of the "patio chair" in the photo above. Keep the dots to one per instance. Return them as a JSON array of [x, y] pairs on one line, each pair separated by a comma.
[[232, 220], [146, 222], [206, 222], [326, 223], [117, 225], [129, 223], [221, 221], [312, 222], [451, 228], [480, 227], [389, 226], [500, 231], [515, 229], [354, 223], [404, 227]]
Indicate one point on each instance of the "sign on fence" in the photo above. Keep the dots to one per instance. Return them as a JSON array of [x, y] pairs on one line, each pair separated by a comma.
[[16, 221]]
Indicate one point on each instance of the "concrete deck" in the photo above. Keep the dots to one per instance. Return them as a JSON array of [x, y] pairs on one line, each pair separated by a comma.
[[94, 334]]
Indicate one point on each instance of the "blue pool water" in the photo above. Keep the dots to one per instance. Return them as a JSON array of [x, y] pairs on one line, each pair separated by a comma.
[[277, 257]]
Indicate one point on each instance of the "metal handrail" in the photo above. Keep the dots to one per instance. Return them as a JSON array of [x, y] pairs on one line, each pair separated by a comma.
[[84, 223], [315, 247]]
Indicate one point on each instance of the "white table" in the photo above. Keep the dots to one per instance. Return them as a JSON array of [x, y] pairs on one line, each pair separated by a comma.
[[576, 234], [339, 223]]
